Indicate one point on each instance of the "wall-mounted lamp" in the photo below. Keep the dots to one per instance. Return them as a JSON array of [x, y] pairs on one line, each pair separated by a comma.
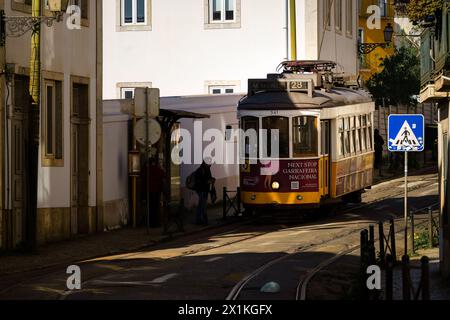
[[134, 163], [17, 26], [366, 48]]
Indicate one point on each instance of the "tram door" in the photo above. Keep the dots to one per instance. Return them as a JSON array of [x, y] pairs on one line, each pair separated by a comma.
[[325, 154]]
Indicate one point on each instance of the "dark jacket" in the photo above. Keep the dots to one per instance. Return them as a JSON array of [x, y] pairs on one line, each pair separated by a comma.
[[203, 179], [379, 142]]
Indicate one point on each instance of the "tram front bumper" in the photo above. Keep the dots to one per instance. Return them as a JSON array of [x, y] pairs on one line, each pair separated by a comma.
[[279, 198]]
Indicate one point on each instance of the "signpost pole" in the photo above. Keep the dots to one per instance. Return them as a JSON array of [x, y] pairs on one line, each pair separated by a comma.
[[406, 134], [406, 203], [147, 160]]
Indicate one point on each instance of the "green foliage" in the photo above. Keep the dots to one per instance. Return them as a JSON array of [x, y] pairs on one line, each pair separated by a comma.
[[399, 82], [421, 10], [422, 241]]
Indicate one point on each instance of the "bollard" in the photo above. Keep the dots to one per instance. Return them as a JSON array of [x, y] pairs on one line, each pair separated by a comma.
[[412, 246], [381, 239], [393, 246], [425, 266], [364, 265], [372, 255], [364, 247], [224, 203], [406, 278], [430, 228], [389, 277]]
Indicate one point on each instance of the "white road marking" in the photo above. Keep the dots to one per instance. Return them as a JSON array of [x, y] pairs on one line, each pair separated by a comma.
[[164, 278], [160, 280], [238, 251], [413, 184], [265, 244], [293, 234], [385, 206], [214, 259]]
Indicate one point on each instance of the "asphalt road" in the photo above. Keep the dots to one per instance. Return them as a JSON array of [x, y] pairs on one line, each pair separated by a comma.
[[235, 263]]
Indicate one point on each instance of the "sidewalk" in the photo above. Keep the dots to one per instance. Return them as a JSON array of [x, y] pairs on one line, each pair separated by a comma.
[[98, 245], [439, 290], [388, 174]]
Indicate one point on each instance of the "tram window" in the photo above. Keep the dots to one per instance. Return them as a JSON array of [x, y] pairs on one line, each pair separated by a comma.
[[305, 137], [347, 135], [250, 125], [353, 134], [363, 133], [282, 140], [358, 134], [369, 138], [341, 137]]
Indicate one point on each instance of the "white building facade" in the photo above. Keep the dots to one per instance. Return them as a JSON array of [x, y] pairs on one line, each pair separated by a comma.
[[70, 180], [214, 46]]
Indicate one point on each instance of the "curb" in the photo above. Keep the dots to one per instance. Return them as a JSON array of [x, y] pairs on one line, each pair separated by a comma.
[[164, 239]]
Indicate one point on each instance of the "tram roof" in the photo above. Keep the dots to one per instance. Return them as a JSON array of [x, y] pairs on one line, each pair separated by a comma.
[[284, 100]]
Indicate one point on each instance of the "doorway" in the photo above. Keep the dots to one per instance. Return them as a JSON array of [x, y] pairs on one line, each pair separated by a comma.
[[21, 105], [80, 121]]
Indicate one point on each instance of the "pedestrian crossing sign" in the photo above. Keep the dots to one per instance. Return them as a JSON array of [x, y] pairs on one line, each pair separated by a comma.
[[406, 133]]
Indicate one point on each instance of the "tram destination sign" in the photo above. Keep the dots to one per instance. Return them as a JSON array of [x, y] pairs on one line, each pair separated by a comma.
[[290, 85]]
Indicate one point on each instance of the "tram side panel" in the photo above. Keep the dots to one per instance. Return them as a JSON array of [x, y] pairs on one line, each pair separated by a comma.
[[353, 154]]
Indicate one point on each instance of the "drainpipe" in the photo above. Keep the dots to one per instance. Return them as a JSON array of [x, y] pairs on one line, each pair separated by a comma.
[[3, 152], [293, 27], [286, 27], [33, 134]]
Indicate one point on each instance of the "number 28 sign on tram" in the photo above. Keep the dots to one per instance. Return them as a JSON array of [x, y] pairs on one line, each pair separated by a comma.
[[406, 133]]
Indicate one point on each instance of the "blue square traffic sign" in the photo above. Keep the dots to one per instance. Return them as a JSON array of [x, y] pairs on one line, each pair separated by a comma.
[[406, 133]]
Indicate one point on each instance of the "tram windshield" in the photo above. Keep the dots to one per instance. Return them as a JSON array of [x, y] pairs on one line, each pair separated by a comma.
[[281, 139], [305, 137], [251, 127]]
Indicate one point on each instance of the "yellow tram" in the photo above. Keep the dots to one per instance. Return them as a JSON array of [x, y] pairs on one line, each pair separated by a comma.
[[321, 130]]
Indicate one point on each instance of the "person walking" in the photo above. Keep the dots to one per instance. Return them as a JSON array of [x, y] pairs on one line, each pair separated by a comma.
[[379, 143], [204, 182]]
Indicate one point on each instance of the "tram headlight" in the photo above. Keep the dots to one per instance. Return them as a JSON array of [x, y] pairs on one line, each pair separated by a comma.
[[275, 185]]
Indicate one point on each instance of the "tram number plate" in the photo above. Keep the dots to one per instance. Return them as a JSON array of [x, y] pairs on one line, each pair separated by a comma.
[[298, 85], [279, 85]]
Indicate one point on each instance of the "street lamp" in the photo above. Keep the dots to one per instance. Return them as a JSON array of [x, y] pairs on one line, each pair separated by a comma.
[[17, 26], [366, 48]]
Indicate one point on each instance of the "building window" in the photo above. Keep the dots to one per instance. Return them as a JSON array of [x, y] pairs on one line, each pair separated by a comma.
[[52, 123], [83, 4], [222, 10], [222, 14], [133, 12], [384, 8], [134, 15], [125, 90], [338, 15], [349, 17], [127, 93], [222, 89], [327, 14], [21, 5]]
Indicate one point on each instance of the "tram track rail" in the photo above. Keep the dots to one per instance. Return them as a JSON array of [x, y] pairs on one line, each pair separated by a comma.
[[302, 286], [64, 294]]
